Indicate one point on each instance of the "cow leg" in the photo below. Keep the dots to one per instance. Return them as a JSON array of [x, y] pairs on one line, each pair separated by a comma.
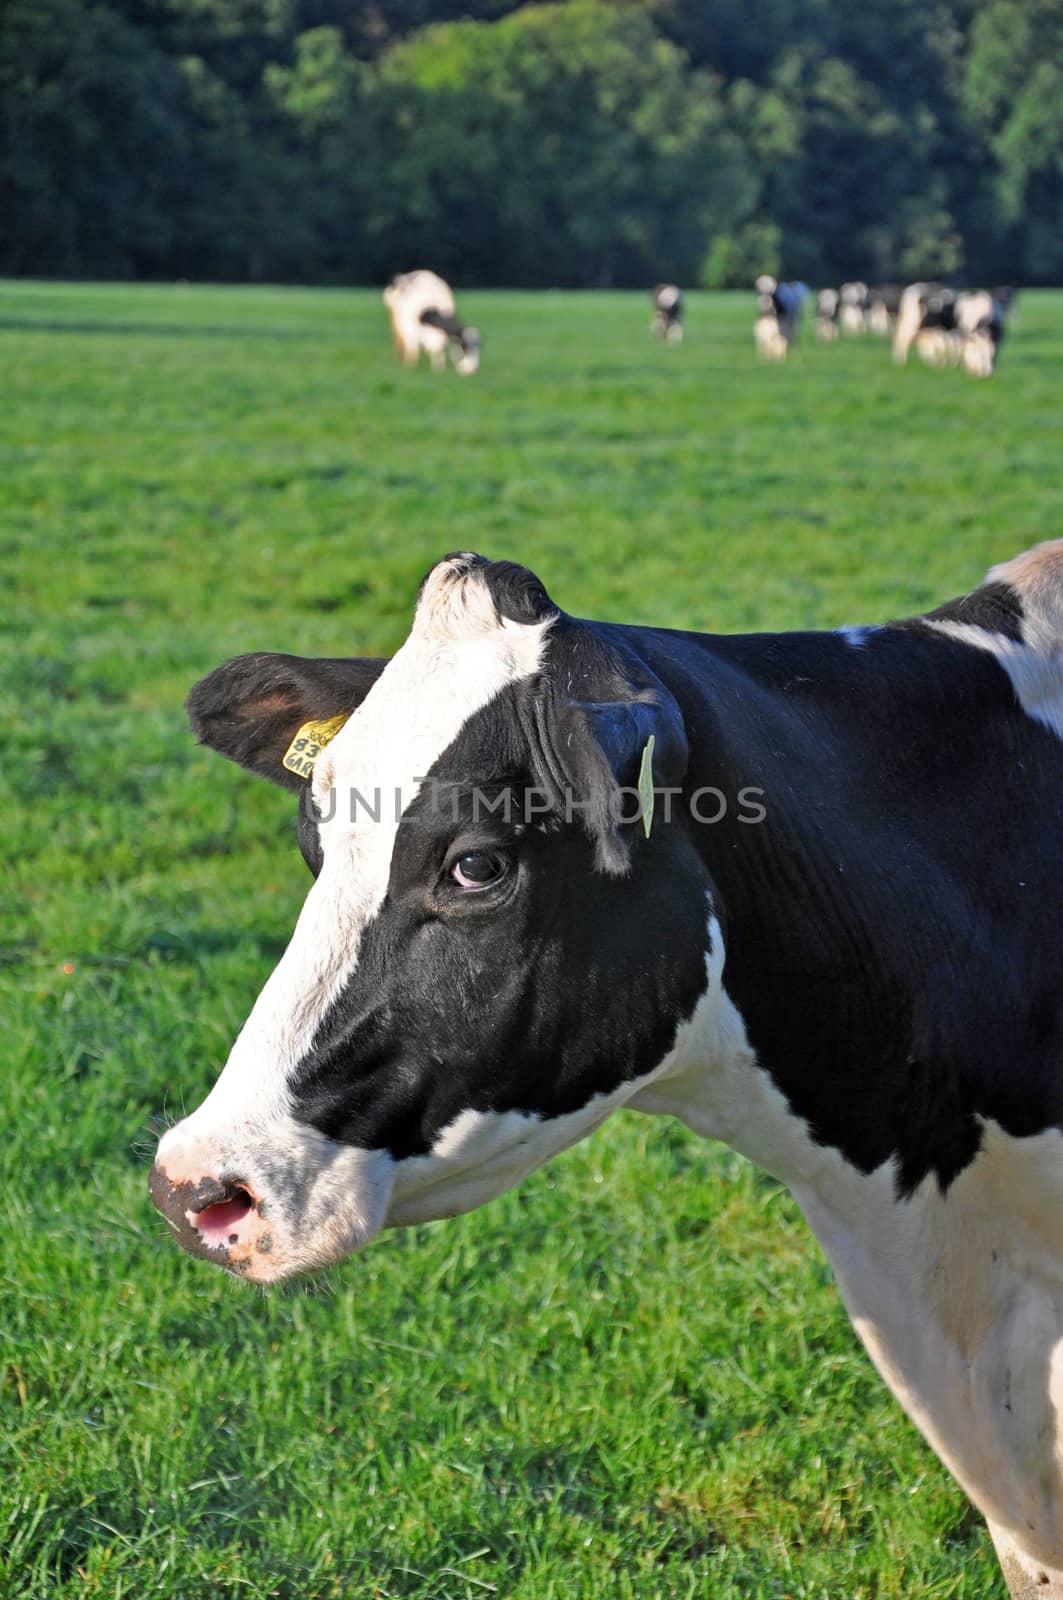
[[1026, 1579], [396, 337], [909, 319]]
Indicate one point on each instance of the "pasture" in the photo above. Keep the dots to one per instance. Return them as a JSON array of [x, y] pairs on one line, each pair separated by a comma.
[[632, 1378]]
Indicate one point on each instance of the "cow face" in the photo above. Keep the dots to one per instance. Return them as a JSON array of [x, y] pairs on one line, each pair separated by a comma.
[[493, 955]]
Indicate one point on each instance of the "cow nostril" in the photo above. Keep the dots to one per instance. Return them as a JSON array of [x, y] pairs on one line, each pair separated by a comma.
[[222, 1221]]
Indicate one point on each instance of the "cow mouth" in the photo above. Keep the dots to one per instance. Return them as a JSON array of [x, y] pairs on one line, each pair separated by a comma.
[[223, 1223]]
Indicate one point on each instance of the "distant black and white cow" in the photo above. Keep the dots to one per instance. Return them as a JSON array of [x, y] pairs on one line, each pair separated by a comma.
[[855, 304], [884, 302], [827, 303], [980, 328], [926, 318], [949, 329], [424, 320], [834, 940], [667, 321], [778, 314]]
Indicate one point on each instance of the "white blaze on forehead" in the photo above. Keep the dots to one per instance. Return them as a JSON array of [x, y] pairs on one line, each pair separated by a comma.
[[459, 656]]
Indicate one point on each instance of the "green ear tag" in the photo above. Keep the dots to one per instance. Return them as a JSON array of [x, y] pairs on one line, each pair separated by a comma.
[[646, 786]]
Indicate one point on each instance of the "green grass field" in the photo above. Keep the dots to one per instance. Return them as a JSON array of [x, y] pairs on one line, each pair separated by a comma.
[[632, 1377]]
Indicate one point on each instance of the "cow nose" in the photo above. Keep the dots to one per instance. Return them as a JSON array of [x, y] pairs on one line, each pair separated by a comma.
[[208, 1215]]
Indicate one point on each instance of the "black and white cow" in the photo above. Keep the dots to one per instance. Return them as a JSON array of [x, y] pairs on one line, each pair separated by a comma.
[[864, 309], [884, 302], [949, 329], [667, 321], [778, 314], [926, 318], [827, 303], [424, 321], [835, 941], [980, 327], [855, 306]]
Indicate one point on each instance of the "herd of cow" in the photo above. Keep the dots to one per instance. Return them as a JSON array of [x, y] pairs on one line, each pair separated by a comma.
[[945, 327]]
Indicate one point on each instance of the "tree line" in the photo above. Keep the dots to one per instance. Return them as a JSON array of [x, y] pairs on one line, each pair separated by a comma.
[[585, 143]]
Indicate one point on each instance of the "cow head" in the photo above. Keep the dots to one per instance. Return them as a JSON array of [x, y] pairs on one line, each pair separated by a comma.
[[465, 351], [979, 354], [496, 950]]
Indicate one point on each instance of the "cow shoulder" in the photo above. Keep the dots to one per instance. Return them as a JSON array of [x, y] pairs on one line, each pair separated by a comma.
[[1017, 615]]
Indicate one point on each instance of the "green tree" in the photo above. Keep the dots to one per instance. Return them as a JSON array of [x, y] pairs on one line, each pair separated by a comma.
[[92, 132], [583, 141], [1014, 95], [329, 144], [565, 144]]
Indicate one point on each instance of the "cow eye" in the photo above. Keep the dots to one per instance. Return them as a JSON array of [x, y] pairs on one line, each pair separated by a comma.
[[479, 869]]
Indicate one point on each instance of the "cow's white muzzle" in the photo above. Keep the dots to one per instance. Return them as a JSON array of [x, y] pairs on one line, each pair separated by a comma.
[[267, 1203]]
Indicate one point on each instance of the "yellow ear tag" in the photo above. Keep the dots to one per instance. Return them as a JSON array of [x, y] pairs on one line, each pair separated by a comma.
[[646, 786], [308, 745]]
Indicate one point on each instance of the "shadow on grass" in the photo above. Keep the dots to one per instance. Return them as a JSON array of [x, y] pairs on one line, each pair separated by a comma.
[[159, 330]]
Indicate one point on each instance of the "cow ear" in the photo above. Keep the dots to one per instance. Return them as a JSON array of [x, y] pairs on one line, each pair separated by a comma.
[[274, 713], [606, 757]]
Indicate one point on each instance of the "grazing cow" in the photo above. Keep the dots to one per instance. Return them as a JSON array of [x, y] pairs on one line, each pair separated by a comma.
[[667, 321], [423, 320], [980, 328], [778, 313], [855, 303], [884, 302], [924, 307], [949, 329], [827, 302], [802, 891]]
